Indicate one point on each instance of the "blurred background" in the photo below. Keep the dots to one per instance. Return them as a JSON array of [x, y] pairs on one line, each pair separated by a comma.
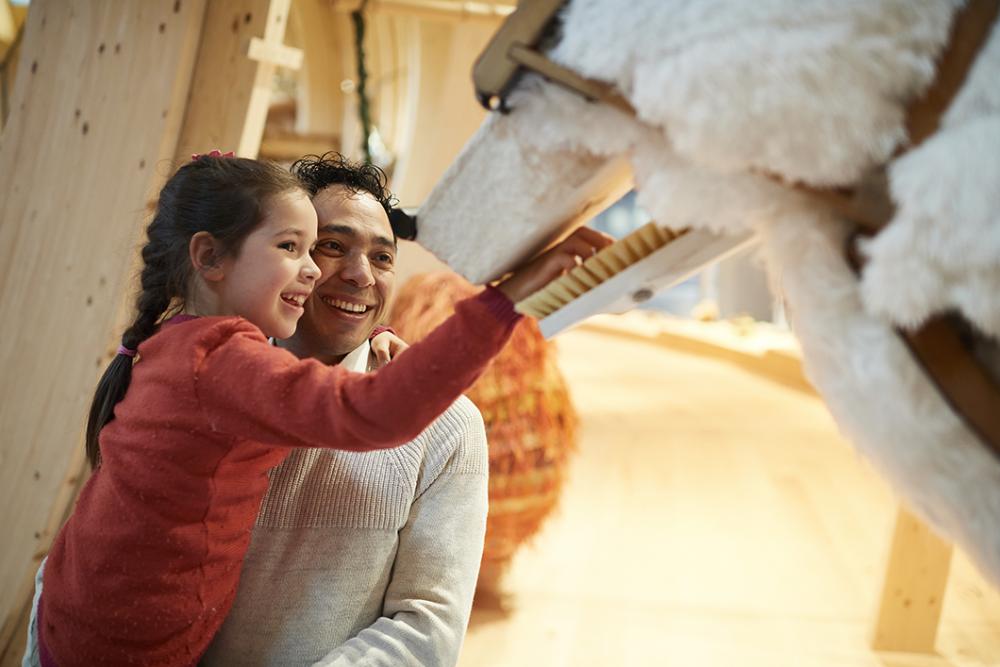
[[673, 492]]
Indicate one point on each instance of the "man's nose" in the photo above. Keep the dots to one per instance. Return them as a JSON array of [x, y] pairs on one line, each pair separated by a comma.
[[357, 270]]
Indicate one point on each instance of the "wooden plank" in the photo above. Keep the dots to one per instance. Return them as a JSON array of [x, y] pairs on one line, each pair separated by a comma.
[[230, 92], [438, 10], [96, 109], [15, 629], [915, 580], [8, 27], [275, 54], [290, 147]]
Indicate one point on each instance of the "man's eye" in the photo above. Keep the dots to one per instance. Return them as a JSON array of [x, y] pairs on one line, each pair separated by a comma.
[[332, 246], [384, 258]]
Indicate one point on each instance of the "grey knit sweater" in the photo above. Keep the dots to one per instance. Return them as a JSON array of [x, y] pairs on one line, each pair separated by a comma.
[[365, 558]]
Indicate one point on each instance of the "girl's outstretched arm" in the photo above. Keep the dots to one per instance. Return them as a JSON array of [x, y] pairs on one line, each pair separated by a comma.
[[262, 393]]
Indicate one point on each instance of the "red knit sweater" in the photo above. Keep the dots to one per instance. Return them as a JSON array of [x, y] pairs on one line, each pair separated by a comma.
[[146, 568]]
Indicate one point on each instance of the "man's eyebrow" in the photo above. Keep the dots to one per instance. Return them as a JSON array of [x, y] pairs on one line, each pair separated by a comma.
[[333, 228]]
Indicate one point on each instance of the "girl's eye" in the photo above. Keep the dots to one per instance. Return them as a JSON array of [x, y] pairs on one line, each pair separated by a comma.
[[287, 245]]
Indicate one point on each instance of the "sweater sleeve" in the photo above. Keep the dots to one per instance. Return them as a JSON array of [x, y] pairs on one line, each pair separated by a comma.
[[261, 393], [429, 598]]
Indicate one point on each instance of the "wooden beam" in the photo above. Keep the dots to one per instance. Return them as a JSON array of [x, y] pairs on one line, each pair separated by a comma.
[[913, 591], [8, 27], [290, 147], [447, 10], [230, 92], [274, 54], [95, 112]]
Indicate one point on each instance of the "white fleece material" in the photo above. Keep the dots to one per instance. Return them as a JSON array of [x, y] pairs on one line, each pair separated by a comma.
[[733, 98]]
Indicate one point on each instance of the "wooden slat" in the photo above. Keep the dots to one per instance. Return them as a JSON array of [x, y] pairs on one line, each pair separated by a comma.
[[913, 592], [275, 54], [8, 26], [96, 108], [290, 147]]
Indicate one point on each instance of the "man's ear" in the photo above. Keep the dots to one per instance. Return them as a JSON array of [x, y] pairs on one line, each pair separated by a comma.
[[206, 257]]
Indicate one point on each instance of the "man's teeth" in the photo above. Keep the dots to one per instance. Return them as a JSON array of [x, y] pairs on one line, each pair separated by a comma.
[[345, 305], [297, 299]]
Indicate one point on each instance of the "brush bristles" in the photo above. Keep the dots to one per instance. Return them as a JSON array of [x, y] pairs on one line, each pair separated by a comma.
[[610, 261]]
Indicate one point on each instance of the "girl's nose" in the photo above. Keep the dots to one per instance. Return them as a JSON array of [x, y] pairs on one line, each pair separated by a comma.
[[310, 271]]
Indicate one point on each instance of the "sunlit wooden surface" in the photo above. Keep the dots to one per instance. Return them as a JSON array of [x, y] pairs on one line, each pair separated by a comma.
[[712, 518]]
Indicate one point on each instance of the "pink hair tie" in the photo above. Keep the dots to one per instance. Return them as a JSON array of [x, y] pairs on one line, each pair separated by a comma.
[[127, 352], [213, 153]]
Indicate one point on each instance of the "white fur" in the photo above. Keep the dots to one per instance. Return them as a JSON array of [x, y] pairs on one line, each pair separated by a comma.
[[733, 97]]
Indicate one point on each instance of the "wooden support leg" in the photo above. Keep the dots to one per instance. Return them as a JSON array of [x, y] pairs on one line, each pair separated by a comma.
[[915, 580]]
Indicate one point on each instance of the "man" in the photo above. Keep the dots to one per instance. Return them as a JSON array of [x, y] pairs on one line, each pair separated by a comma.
[[361, 558]]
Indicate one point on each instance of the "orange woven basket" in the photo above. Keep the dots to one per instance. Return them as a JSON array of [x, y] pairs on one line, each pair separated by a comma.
[[530, 420]]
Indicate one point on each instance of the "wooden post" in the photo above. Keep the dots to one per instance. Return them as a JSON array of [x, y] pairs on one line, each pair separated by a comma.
[[915, 580], [230, 91]]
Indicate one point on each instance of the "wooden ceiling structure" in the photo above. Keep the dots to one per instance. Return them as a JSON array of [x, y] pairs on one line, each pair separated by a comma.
[[108, 97]]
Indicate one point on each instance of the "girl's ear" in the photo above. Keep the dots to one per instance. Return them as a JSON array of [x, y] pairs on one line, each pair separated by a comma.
[[206, 257]]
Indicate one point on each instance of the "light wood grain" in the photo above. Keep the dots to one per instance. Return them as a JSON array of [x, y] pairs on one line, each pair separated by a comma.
[[94, 111], [712, 518], [912, 593]]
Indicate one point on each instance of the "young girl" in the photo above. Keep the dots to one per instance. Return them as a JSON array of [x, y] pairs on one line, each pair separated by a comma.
[[197, 407]]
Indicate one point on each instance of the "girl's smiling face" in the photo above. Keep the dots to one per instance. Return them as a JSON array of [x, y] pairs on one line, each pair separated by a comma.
[[269, 279]]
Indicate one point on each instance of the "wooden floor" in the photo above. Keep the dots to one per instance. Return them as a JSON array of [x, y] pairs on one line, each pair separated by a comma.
[[713, 518]]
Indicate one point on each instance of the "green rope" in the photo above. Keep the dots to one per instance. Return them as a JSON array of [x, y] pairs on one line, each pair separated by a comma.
[[364, 111]]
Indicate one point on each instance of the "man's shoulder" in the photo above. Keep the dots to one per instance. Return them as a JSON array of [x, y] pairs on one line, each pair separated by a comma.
[[461, 416], [454, 443]]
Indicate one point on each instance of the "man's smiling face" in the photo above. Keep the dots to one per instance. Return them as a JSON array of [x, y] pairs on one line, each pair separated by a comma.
[[356, 252]]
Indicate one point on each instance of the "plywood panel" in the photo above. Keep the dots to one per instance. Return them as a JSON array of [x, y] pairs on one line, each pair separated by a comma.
[[95, 115]]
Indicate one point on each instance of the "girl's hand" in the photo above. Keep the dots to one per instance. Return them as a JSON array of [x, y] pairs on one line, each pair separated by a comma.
[[554, 262], [386, 346]]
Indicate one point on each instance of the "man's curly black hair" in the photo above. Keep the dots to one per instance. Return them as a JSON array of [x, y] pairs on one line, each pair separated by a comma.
[[316, 172]]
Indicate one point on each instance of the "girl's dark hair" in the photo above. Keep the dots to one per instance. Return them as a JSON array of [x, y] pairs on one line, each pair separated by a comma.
[[224, 196]]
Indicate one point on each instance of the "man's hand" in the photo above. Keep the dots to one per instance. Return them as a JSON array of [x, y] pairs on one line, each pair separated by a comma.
[[386, 346], [554, 262]]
